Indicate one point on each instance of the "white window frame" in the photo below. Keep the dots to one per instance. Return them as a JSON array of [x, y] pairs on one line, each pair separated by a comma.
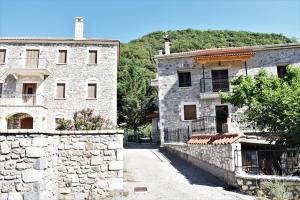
[[5, 58], [181, 109], [55, 90], [91, 81]]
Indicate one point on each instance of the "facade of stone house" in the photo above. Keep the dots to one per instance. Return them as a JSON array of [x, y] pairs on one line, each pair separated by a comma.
[[46, 79], [188, 82]]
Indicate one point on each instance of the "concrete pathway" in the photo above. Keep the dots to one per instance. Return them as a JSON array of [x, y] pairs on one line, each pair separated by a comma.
[[168, 178]]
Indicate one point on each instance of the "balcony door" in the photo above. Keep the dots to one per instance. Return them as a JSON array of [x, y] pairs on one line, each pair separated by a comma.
[[221, 117], [220, 80], [29, 93], [32, 58]]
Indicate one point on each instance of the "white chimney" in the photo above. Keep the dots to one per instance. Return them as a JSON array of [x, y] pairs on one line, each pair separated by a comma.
[[160, 52], [167, 45], [78, 28]]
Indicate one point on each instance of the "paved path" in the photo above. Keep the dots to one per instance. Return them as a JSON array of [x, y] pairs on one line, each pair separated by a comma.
[[168, 178]]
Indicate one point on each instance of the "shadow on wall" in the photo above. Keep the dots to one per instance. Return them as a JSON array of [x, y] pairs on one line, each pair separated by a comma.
[[192, 173]]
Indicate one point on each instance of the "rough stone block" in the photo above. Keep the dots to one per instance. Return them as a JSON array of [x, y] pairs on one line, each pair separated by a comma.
[[7, 186], [115, 165], [35, 196], [31, 175], [96, 160], [2, 138], [35, 152], [25, 142], [41, 163], [65, 190], [14, 196], [39, 186], [101, 184], [119, 153], [4, 148], [114, 145], [39, 142], [21, 166], [15, 144], [115, 184], [79, 145]]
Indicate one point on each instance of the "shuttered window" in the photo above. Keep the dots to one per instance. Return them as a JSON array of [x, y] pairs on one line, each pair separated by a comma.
[[190, 112], [32, 58], [184, 79], [281, 71], [2, 56], [60, 93], [92, 91], [62, 56], [92, 57]]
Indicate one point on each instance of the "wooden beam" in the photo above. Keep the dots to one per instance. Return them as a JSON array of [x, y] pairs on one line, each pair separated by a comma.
[[207, 59]]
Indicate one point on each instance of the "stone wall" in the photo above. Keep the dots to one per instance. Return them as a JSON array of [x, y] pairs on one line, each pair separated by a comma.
[[61, 165], [215, 159]]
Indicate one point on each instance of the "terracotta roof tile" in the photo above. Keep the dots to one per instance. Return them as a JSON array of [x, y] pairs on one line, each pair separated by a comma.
[[217, 139]]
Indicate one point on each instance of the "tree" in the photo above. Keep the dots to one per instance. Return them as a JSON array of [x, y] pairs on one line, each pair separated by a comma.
[[135, 97], [271, 102]]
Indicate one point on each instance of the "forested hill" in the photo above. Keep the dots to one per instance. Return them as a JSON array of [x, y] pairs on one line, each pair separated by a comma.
[[136, 96]]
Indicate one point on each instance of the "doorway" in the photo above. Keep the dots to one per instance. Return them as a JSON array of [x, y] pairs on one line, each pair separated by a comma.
[[29, 93], [221, 117], [27, 123]]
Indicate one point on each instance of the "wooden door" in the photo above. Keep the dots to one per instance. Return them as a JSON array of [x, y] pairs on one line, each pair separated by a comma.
[[32, 58], [221, 117], [27, 123], [220, 80], [29, 93]]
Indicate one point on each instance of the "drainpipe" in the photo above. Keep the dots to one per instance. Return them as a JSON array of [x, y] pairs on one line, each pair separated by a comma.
[[203, 77]]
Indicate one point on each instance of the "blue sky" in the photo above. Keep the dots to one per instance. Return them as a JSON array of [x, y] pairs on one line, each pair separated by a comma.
[[129, 19]]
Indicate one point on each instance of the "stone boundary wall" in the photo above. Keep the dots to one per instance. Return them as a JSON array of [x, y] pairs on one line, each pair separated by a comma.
[[249, 184], [61, 165], [218, 160]]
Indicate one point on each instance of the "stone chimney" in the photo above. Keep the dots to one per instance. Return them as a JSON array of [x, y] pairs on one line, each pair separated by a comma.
[[167, 45], [78, 28]]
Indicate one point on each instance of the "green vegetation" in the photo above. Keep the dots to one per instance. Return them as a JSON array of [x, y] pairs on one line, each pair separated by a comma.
[[271, 102], [137, 57]]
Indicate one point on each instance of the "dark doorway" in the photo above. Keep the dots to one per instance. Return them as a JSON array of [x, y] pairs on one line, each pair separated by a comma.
[[29, 91], [27, 123], [221, 117], [220, 80]]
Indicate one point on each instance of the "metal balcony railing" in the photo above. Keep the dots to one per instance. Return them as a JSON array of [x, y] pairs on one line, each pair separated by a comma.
[[215, 85], [15, 99], [204, 124]]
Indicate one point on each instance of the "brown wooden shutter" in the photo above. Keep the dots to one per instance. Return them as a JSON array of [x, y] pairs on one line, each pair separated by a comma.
[[60, 93], [92, 57], [62, 58], [92, 91], [2, 56], [32, 58], [190, 112], [1, 85]]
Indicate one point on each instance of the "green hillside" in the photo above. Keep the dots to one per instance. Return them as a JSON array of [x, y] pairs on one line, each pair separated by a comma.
[[138, 64]]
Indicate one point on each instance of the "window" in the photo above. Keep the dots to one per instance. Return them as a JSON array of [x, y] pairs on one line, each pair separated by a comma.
[[281, 71], [92, 91], [62, 56], [58, 120], [60, 90], [190, 112], [220, 80], [1, 85], [184, 79], [32, 58], [2, 56], [92, 57]]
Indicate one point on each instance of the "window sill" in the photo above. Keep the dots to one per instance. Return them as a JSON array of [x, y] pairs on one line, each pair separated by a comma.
[[91, 98], [90, 64], [185, 87], [61, 63], [59, 98], [2, 63]]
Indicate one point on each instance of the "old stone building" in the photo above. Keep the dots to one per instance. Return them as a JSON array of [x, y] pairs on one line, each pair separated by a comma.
[[189, 82], [45, 79]]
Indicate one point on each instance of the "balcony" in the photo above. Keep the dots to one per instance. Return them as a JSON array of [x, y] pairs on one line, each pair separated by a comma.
[[209, 87], [22, 100], [27, 67]]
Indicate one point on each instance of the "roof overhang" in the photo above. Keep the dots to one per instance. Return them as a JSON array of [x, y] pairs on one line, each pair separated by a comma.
[[17, 72]]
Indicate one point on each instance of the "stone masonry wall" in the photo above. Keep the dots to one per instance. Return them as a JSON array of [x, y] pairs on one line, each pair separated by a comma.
[[61, 165]]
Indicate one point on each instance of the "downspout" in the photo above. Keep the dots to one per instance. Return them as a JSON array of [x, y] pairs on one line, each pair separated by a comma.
[[246, 68], [203, 77]]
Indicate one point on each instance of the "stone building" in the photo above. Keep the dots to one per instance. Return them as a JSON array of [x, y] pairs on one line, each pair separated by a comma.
[[188, 82], [46, 79]]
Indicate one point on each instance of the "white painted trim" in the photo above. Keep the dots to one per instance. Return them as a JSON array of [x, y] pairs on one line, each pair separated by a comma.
[[181, 109]]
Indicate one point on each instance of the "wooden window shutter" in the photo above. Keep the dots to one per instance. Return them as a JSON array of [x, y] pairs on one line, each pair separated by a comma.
[[62, 58], [92, 91], [32, 59], [2, 56], [92, 57], [1, 85], [60, 93], [190, 112]]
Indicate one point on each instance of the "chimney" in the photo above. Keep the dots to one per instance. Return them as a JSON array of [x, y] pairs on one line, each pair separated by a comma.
[[160, 52], [167, 45], [78, 28]]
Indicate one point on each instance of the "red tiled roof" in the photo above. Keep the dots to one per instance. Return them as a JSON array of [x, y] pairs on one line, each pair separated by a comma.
[[226, 138]]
